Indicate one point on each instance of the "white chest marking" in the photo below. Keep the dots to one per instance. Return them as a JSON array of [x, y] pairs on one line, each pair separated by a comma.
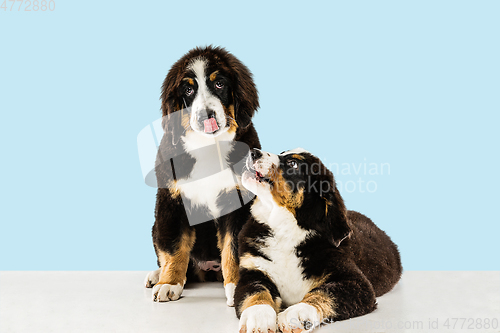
[[285, 268], [202, 189]]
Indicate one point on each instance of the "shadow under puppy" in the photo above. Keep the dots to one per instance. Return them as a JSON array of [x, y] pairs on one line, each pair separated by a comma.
[[305, 259]]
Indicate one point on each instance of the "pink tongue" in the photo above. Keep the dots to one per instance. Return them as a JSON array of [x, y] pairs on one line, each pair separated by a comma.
[[210, 125]]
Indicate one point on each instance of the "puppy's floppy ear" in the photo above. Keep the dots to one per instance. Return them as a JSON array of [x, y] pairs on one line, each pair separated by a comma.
[[336, 218], [171, 102], [245, 95], [335, 211]]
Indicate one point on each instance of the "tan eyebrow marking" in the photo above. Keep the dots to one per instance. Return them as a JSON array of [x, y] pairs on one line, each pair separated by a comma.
[[189, 80], [299, 157], [213, 75]]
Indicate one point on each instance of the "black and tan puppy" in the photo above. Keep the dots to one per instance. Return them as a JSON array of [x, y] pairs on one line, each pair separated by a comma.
[[208, 100], [305, 259]]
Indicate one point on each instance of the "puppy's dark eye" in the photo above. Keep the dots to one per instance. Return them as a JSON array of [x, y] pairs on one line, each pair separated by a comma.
[[219, 84], [292, 164], [189, 91]]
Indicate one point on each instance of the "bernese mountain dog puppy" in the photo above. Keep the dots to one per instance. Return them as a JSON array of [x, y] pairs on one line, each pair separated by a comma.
[[208, 100], [304, 259]]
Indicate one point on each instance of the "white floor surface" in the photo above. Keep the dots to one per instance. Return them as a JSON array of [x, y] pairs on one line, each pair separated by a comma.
[[118, 302]]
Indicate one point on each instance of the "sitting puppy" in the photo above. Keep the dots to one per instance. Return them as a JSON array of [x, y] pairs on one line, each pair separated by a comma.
[[208, 101], [303, 252]]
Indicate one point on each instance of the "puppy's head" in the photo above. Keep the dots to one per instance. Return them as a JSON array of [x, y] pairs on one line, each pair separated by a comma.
[[299, 182], [214, 90]]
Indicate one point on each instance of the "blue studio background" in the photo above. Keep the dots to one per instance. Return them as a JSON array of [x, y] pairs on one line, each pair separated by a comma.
[[400, 98]]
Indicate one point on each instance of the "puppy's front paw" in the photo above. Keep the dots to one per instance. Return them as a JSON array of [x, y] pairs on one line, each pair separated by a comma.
[[229, 289], [152, 278], [298, 318], [258, 318], [167, 292]]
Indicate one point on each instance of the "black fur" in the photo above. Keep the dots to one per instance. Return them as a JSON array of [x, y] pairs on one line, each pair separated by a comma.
[[171, 221], [349, 257]]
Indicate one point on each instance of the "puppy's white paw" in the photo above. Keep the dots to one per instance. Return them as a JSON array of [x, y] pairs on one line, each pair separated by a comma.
[[152, 278], [299, 317], [167, 292], [229, 289], [258, 318]]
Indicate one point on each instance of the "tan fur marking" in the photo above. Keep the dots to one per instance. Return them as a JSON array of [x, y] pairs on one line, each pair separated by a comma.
[[299, 157], [174, 267], [172, 187], [233, 125], [189, 80], [213, 76], [322, 302], [319, 281], [177, 107], [185, 121], [231, 112], [262, 297], [282, 193], [228, 260], [246, 261], [326, 206]]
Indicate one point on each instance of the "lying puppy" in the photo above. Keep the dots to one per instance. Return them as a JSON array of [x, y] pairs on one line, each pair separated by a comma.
[[303, 252]]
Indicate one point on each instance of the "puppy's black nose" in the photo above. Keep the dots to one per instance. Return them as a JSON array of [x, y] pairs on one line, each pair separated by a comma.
[[206, 114], [255, 154]]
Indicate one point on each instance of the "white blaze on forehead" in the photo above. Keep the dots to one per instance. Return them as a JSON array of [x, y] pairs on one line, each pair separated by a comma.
[[198, 68], [270, 158], [294, 151]]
